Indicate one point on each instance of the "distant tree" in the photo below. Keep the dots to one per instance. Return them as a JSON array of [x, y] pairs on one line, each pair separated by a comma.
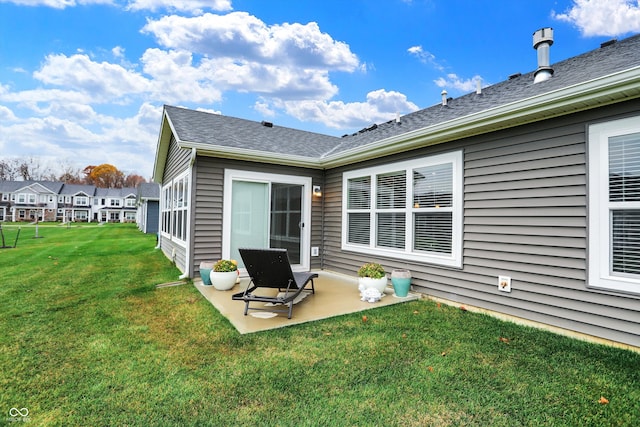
[[87, 174], [133, 180], [70, 178], [31, 168], [7, 171], [106, 176]]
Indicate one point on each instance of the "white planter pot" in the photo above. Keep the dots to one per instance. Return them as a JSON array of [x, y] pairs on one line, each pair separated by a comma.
[[368, 282], [224, 280]]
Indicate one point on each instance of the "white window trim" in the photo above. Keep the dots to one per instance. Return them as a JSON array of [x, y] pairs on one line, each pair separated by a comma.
[[599, 267], [165, 207], [452, 260], [172, 208], [231, 174]]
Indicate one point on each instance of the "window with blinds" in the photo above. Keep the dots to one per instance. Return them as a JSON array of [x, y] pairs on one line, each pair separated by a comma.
[[409, 209], [624, 190], [614, 205]]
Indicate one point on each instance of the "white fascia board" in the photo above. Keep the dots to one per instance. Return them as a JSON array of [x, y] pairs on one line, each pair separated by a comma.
[[162, 147], [594, 93], [252, 155]]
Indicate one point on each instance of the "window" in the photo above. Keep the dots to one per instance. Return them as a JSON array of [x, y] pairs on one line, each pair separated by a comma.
[[409, 210], [114, 203], [614, 205], [130, 202], [175, 204], [82, 200]]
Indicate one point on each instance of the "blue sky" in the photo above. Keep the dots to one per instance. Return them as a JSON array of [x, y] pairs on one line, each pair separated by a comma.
[[83, 82]]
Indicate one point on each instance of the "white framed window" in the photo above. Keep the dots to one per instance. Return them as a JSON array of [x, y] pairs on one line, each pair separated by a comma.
[[114, 203], [614, 205], [409, 210], [130, 202], [81, 200], [165, 226], [175, 208]]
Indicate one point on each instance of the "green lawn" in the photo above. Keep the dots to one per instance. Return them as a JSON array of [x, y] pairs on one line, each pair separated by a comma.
[[86, 339]]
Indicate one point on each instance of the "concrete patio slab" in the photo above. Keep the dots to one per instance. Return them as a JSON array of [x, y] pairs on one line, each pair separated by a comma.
[[335, 295]]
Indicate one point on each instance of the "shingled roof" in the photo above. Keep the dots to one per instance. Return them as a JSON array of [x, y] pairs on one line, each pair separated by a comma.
[[608, 74], [192, 126]]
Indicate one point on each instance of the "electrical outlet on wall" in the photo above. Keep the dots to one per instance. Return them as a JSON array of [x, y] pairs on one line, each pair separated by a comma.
[[315, 251], [504, 283]]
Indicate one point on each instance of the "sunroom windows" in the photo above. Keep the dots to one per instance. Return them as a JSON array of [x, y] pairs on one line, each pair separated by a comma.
[[174, 208], [614, 205], [408, 210]]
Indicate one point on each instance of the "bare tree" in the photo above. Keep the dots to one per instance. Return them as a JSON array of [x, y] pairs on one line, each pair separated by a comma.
[[7, 171], [133, 180]]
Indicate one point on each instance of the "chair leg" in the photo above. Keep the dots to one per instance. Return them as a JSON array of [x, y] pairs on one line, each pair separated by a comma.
[[246, 307], [290, 309]]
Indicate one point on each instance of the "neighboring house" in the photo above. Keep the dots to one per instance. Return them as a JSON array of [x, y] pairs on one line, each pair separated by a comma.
[[57, 201], [533, 180], [115, 204], [148, 213], [74, 203], [28, 200]]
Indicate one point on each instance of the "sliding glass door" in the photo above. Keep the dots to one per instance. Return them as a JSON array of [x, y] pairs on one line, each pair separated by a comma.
[[267, 211]]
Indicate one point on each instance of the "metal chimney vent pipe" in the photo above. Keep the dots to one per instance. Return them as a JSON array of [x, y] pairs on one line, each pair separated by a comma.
[[542, 41]]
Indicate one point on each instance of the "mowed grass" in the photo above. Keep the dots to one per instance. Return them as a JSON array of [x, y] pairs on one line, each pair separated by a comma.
[[87, 340]]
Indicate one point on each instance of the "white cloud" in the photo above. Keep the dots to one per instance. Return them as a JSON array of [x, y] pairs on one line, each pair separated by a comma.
[[193, 6], [380, 106], [240, 52], [85, 136], [6, 115], [57, 4], [452, 81], [425, 57], [603, 17], [241, 36], [104, 81]]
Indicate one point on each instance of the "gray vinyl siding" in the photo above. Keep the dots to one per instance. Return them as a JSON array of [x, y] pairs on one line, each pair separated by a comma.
[[209, 194], [525, 216], [177, 162], [153, 216]]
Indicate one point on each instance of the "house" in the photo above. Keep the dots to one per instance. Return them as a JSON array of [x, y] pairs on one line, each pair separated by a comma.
[[74, 203], [148, 213], [115, 204], [58, 201], [28, 200], [519, 198]]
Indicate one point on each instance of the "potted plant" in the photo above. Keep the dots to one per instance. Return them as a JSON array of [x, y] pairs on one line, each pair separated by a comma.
[[372, 275], [224, 274]]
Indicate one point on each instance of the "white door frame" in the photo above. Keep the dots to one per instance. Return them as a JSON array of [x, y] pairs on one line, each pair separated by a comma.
[[231, 175]]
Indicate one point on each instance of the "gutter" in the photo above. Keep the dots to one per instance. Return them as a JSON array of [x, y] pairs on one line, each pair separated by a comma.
[[602, 91], [583, 96]]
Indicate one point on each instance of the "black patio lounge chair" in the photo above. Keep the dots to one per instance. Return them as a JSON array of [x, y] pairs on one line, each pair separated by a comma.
[[270, 268]]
